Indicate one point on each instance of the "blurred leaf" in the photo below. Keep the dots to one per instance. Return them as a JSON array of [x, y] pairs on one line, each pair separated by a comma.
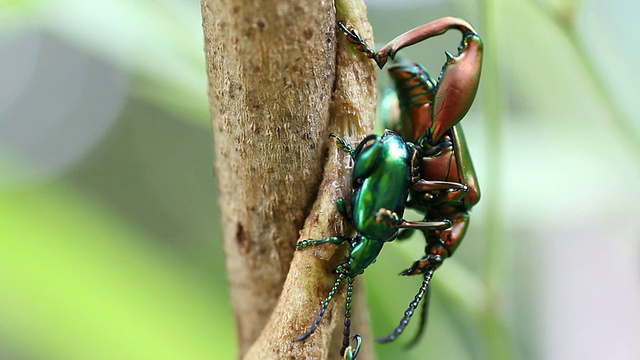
[[161, 42], [16, 14], [79, 283]]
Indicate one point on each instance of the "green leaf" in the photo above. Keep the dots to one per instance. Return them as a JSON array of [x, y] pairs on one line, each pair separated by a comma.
[[80, 283]]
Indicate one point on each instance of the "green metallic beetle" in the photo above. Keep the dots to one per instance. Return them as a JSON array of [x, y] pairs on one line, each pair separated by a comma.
[[380, 163], [435, 176]]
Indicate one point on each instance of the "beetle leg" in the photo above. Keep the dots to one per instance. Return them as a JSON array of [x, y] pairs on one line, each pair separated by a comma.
[[437, 192], [390, 218], [333, 239], [423, 32], [459, 78], [410, 310], [464, 165], [441, 243], [457, 85], [438, 224], [350, 352], [347, 318], [342, 274], [353, 36], [343, 144], [424, 319], [435, 253], [432, 185], [408, 109], [452, 236]]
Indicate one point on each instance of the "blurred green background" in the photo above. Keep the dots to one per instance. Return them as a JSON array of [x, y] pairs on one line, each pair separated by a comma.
[[110, 245]]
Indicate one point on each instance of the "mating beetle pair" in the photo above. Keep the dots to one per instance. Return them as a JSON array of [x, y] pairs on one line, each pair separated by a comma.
[[420, 162]]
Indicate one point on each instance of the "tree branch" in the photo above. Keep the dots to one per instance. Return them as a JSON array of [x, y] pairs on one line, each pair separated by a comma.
[[278, 85]]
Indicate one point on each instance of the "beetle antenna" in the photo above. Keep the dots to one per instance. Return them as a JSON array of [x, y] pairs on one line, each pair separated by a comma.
[[323, 308], [412, 307]]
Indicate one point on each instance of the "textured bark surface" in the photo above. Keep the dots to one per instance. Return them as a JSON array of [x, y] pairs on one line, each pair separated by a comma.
[[279, 83]]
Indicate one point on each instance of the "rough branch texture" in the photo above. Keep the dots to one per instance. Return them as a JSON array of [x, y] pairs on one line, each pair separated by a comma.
[[272, 78]]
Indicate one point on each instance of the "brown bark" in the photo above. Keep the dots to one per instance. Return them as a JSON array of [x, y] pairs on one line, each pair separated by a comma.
[[278, 85]]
